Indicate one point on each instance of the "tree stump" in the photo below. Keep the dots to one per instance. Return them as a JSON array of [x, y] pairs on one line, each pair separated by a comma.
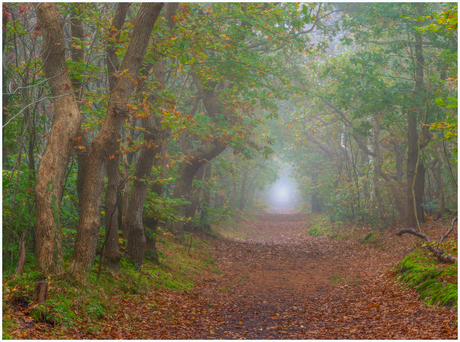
[[41, 289]]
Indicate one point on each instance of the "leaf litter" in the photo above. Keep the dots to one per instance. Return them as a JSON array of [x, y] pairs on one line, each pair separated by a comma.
[[278, 283]]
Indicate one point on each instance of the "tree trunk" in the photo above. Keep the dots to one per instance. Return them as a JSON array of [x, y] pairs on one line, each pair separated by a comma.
[[53, 165], [186, 172], [242, 202], [206, 202], [194, 200], [117, 111], [134, 224], [415, 144], [112, 254], [125, 200], [81, 143], [5, 95], [235, 193], [41, 290], [157, 141], [316, 205], [420, 189], [377, 168], [442, 198]]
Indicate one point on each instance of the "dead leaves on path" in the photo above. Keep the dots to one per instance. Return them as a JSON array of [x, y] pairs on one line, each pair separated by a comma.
[[279, 283]]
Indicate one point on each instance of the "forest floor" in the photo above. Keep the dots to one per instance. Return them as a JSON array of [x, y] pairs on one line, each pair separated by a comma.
[[277, 282]]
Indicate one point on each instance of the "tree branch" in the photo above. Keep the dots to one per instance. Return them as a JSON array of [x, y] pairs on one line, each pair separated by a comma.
[[438, 252]]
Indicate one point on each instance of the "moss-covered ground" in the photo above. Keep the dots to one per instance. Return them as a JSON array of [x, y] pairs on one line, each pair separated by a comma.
[[435, 282]]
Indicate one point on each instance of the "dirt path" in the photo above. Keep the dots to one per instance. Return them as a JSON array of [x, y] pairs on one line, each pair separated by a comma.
[[281, 283]]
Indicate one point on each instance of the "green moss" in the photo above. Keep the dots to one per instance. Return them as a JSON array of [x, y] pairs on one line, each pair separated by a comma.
[[430, 278], [372, 239], [321, 226]]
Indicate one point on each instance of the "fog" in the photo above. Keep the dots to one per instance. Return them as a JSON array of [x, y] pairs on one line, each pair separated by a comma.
[[282, 195]]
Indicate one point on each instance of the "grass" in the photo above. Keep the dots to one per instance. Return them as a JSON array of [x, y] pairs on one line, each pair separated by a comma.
[[372, 239], [321, 226], [344, 280], [70, 303], [436, 283]]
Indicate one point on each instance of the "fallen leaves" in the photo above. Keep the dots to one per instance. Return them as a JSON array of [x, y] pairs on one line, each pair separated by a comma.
[[289, 295]]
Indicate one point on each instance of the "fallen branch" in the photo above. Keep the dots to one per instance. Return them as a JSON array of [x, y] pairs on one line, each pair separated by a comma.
[[448, 232], [438, 252]]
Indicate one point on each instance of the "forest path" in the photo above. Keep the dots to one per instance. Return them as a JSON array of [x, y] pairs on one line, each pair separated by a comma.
[[280, 283], [277, 282]]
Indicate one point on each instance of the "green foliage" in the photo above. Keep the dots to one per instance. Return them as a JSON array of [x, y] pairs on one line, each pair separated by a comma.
[[431, 279], [445, 22], [321, 226]]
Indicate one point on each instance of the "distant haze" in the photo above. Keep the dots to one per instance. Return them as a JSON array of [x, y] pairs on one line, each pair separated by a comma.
[[281, 195]]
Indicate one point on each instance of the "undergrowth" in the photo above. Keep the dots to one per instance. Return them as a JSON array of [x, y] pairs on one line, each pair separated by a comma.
[[321, 226], [435, 282], [69, 303]]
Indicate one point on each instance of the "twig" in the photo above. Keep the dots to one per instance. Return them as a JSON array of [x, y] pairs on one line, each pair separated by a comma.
[[43, 98], [448, 232], [31, 86]]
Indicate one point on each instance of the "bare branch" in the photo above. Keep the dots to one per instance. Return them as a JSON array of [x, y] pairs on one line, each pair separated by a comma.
[[438, 252], [43, 98], [448, 232]]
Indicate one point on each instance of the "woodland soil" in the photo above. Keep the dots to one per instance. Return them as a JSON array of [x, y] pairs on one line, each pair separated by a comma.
[[277, 282]]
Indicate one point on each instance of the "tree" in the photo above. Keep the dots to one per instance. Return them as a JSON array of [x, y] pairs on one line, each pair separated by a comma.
[[52, 169], [117, 111], [155, 136]]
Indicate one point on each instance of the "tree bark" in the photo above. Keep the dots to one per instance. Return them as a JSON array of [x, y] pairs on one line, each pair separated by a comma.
[[117, 111], [194, 200], [81, 143], [206, 202], [112, 254], [5, 95], [53, 165], [441, 188], [157, 141], [377, 168], [234, 193], [125, 199], [41, 290], [22, 256], [316, 205], [186, 173], [415, 145], [242, 201]]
